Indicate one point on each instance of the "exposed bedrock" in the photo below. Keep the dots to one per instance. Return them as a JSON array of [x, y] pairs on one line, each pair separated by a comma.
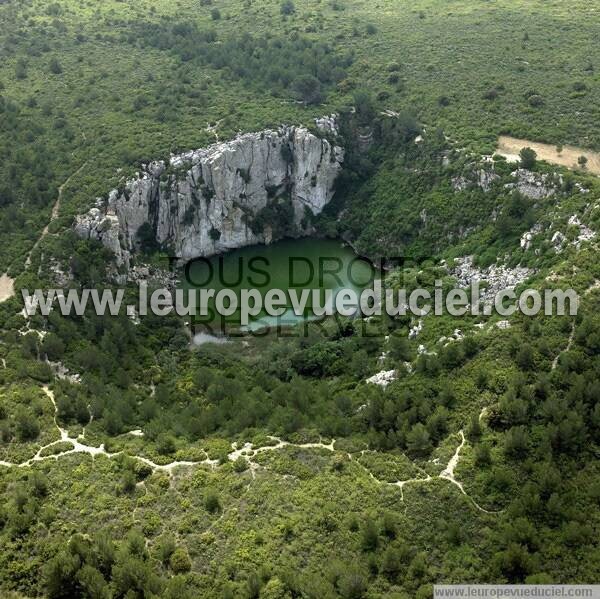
[[253, 189]]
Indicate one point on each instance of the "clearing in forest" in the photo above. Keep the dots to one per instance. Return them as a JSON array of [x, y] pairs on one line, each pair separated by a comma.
[[509, 147], [7, 288]]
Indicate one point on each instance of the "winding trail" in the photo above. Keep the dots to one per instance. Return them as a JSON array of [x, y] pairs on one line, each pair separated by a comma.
[[7, 284], [247, 451], [448, 472], [567, 348], [53, 215]]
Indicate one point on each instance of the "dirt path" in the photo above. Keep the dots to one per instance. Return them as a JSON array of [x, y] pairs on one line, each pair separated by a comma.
[[448, 472], [509, 147], [569, 345], [53, 215], [79, 447], [246, 451]]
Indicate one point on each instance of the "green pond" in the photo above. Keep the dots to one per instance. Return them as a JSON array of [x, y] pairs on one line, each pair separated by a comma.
[[291, 264]]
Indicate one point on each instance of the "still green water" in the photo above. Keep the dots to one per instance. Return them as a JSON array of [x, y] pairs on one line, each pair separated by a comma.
[[322, 264]]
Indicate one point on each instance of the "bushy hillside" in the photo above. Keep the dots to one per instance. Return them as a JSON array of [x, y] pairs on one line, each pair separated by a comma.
[[132, 466]]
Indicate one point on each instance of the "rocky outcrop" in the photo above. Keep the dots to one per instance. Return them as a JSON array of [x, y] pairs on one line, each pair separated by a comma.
[[497, 277], [481, 177], [584, 233], [383, 378], [535, 186], [250, 190], [528, 236]]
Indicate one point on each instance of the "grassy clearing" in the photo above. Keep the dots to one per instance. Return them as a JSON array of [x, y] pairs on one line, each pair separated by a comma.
[[568, 156]]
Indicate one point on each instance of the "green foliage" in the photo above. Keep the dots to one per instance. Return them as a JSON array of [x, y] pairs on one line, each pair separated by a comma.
[[27, 427], [128, 84], [418, 441], [287, 8], [278, 215], [240, 465], [281, 64], [55, 66], [370, 535], [179, 561], [147, 239], [212, 502], [528, 158]]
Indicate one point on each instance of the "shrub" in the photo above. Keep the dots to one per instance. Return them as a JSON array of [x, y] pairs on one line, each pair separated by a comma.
[[474, 431], [142, 470], [128, 482], [165, 548], [53, 347], [21, 69], [392, 563], [165, 445], [55, 66], [338, 464], [308, 89], [287, 8], [352, 585], [528, 158], [240, 465], [516, 442], [27, 425], [483, 455], [525, 357], [253, 586], [212, 502], [370, 536], [389, 525], [179, 561], [215, 14], [418, 441], [536, 101]]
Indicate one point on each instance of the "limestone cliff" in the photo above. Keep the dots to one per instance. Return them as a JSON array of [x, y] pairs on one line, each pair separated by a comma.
[[249, 190]]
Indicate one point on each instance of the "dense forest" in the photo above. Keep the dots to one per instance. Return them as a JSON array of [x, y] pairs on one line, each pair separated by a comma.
[[135, 464]]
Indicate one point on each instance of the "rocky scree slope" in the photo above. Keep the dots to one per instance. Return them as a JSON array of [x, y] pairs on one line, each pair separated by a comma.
[[250, 190]]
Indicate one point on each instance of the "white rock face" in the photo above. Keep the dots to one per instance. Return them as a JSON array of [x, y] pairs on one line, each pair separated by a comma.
[[479, 177], [527, 237], [585, 233], [383, 378], [205, 202], [497, 276], [558, 239], [534, 186]]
